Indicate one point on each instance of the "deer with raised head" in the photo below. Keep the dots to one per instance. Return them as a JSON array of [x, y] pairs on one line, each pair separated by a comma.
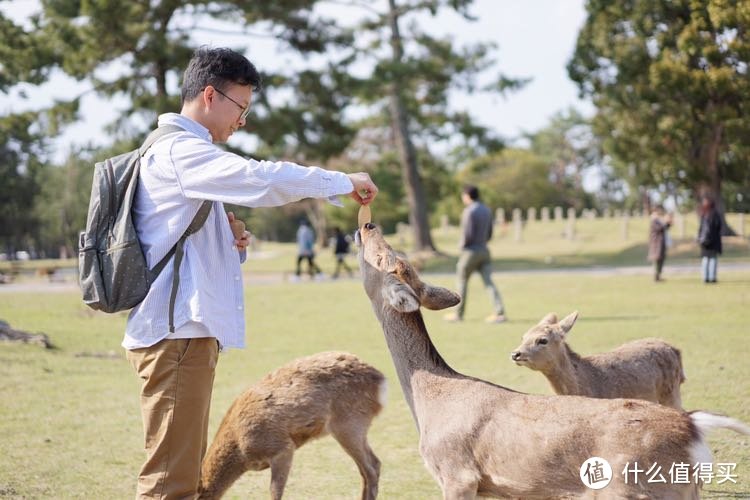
[[649, 369], [478, 438], [327, 393]]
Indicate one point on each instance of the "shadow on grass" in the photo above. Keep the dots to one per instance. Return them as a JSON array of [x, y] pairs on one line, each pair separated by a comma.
[[684, 252], [727, 494], [514, 320], [632, 317]]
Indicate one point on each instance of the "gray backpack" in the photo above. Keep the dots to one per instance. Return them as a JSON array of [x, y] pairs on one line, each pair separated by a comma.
[[114, 275]]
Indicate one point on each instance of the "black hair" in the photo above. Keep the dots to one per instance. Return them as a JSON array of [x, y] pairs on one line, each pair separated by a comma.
[[472, 191], [217, 67]]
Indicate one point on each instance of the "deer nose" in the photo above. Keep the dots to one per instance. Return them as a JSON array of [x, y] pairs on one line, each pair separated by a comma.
[[515, 355], [370, 226]]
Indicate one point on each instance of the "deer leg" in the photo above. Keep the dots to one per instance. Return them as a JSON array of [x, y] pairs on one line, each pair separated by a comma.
[[460, 491], [352, 436], [281, 463]]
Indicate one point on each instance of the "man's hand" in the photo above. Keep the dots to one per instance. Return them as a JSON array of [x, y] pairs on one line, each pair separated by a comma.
[[241, 236], [364, 189]]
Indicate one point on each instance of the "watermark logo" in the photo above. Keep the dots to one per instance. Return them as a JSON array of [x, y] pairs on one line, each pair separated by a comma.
[[596, 473]]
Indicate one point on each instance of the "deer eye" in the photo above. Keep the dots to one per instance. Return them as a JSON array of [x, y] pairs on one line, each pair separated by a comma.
[[541, 341]]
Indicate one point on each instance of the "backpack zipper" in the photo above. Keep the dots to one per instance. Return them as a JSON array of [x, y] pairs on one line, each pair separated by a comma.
[[112, 200]]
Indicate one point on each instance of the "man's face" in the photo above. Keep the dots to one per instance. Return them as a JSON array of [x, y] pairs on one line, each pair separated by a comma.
[[227, 110]]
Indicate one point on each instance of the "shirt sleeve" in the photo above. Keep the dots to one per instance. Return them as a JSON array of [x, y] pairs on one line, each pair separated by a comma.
[[204, 171]]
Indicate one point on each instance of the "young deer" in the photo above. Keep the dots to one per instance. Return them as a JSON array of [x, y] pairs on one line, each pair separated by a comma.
[[647, 369], [478, 438], [330, 392]]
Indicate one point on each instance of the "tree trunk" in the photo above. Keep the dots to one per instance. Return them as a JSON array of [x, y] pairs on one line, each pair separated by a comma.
[[407, 153], [710, 158]]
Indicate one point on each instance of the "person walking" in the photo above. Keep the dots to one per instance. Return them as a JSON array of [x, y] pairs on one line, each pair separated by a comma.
[[709, 239], [176, 361], [657, 239], [476, 231], [306, 249], [340, 251]]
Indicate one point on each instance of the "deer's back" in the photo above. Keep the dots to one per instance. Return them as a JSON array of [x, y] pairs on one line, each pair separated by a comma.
[[299, 398], [646, 369]]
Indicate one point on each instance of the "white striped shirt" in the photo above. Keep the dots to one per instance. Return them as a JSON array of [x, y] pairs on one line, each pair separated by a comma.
[[177, 174]]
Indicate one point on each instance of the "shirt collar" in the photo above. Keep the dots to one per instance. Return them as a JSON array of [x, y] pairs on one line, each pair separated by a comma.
[[186, 123]]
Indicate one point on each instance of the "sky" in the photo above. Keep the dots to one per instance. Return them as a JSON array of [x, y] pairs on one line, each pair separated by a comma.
[[534, 38]]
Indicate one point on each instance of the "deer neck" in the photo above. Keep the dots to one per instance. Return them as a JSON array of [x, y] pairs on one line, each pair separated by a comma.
[[564, 374], [419, 365]]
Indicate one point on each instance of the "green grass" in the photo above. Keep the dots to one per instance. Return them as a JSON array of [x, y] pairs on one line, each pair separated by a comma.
[[70, 423]]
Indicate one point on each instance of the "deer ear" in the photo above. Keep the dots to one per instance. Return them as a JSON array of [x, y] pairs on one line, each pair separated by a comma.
[[399, 295], [549, 319], [437, 297], [567, 323]]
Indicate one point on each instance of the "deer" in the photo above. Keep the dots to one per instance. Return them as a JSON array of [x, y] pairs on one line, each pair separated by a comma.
[[479, 438], [649, 368], [332, 393]]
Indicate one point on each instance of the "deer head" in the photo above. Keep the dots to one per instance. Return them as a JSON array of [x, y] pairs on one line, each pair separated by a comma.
[[390, 280], [542, 344]]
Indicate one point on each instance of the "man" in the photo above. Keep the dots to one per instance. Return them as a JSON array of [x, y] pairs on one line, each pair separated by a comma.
[[178, 173], [306, 249], [476, 231]]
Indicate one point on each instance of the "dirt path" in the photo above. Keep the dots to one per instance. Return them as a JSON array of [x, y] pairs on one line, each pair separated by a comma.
[[69, 284]]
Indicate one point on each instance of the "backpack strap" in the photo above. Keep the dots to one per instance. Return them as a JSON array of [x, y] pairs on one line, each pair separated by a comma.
[[157, 134], [178, 251]]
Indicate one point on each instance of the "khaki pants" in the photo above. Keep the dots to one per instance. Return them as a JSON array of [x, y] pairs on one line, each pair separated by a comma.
[[476, 260], [178, 377]]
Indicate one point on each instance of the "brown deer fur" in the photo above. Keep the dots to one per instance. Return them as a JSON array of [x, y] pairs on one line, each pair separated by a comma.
[[647, 369], [328, 393], [478, 438]]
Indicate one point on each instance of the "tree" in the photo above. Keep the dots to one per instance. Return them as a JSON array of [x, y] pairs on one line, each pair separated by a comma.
[[62, 203], [138, 50], [669, 80], [571, 151], [409, 86], [20, 151], [519, 178], [135, 49]]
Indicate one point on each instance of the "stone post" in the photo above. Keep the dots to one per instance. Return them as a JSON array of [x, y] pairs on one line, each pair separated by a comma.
[[570, 227], [517, 224]]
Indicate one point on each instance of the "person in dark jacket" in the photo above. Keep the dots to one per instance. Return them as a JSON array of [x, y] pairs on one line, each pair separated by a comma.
[[657, 239], [341, 250], [709, 238]]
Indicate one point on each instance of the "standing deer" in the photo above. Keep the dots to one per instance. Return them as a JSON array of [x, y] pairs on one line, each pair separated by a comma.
[[478, 438], [327, 393], [647, 369]]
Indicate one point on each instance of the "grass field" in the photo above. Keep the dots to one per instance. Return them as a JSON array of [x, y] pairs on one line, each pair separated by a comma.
[[70, 423]]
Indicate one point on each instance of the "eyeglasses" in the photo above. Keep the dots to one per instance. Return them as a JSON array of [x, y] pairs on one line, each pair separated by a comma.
[[245, 110]]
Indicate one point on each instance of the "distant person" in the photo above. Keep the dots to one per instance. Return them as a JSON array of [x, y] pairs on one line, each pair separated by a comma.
[[476, 231], [709, 238], [657, 239], [341, 250], [306, 249]]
